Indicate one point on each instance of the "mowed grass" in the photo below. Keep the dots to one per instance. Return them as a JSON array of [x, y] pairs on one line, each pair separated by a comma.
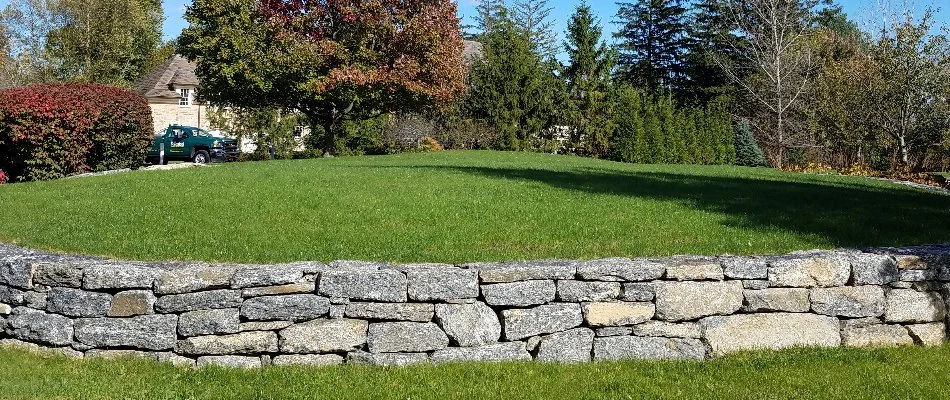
[[904, 373], [462, 207]]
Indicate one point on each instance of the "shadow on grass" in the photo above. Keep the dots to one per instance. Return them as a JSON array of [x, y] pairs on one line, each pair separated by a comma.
[[844, 213]]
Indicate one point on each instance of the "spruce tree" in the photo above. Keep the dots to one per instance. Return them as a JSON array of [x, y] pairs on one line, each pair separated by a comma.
[[652, 39], [587, 78], [534, 17], [713, 42], [747, 151], [489, 13]]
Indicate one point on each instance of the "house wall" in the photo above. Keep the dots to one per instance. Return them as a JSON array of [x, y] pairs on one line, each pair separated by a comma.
[[166, 113]]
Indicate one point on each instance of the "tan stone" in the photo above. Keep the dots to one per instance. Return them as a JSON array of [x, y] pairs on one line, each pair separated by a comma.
[[934, 334], [726, 334], [696, 270], [876, 336], [617, 313], [684, 301], [131, 303]]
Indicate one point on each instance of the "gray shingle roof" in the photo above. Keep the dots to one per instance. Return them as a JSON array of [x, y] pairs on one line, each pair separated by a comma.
[[176, 71]]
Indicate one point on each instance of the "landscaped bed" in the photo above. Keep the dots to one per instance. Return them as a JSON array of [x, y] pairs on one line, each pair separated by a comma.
[[921, 373], [460, 207]]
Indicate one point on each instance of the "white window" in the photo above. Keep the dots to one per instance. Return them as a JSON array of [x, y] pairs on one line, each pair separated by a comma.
[[298, 131], [184, 98]]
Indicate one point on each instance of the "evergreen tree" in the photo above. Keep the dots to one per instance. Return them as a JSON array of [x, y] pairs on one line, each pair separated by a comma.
[[534, 17], [747, 151], [488, 15], [652, 133], [626, 141], [587, 78], [652, 39], [712, 47]]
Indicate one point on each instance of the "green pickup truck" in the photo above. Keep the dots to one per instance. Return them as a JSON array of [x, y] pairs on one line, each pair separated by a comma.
[[187, 143]]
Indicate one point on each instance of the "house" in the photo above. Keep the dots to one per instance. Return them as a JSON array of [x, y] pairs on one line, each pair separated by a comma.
[[170, 91]]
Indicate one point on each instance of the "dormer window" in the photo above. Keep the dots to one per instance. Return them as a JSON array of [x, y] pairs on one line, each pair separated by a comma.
[[184, 98]]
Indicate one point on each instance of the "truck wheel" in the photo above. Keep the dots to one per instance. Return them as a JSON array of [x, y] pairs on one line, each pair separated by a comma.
[[201, 157]]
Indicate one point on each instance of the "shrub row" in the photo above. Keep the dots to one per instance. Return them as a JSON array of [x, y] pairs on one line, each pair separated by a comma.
[[49, 131]]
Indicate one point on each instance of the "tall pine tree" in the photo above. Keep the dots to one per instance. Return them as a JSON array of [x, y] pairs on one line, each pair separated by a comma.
[[534, 17], [489, 13], [653, 36], [588, 80], [712, 29]]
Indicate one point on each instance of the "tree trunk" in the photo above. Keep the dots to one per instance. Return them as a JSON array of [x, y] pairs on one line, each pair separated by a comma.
[[329, 137]]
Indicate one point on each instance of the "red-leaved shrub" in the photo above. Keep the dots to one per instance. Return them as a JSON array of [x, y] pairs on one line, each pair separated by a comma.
[[49, 131], [3, 177]]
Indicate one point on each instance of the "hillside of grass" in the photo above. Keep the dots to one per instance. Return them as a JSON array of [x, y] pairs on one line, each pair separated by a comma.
[[462, 206]]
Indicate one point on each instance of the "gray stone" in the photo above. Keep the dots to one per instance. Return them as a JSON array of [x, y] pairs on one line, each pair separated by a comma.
[[37, 326], [229, 362], [418, 312], [175, 359], [337, 310], [526, 270], [356, 265], [695, 270], [614, 331], [756, 284], [209, 322], [849, 301], [58, 274], [745, 267], [152, 332], [239, 343], [441, 284], [683, 301], [668, 329], [905, 305], [876, 336], [638, 292], [647, 348], [726, 334], [131, 303], [177, 303], [17, 274], [860, 322], [323, 336], [550, 318], [468, 325], [35, 300], [508, 351], [532, 343], [41, 350], [776, 299], [119, 276], [933, 334], [621, 269], [521, 294], [264, 325], [587, 291], [917, 275], [78, 303], [265, 275], [192, 278], [292, 288], [567, 347], [372, 285], [313, 360], [118, 354], [617, 313], [816, 269], [873, 269], [11, 295], [410, 337], [386, 359], [293, 307]]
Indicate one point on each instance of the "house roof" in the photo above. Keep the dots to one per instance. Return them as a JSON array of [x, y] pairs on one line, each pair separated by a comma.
[[176, 71]]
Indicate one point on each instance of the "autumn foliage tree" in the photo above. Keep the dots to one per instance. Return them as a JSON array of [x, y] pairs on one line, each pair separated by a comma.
[[332, 60]]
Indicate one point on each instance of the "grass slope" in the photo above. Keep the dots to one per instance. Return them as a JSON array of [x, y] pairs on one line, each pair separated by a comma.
[[462, 206], [904, 373]]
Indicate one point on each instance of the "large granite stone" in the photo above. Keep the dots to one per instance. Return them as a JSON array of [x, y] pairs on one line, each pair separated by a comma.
[[209, 322], [726, 334], [906, 305], [417, 312], [550, 318], [508, 351], [575, 291], [442, 283], [873, 269], [668, 329], [152, 332], [515, 271], [567, 347], [876, 336], [323, 336], [386, 359], [698, 269], [313, 360], [11, 296], [848, 301], [37, 326], [78, 303], [18, 274], [468, 325], [372, 285], [131, 303], [293, 307], [683, 301], [814, 269], [744, 267], [265, 275], [407, 337], [58, 274], [119, 275], [776, 299], [638, 291], [932, 334], [290, 288], [229, 362], [194, 277], [253, 342], [647, 348], [176, 303], [620, 269], [617, 313], [264, 325], [519, 294]]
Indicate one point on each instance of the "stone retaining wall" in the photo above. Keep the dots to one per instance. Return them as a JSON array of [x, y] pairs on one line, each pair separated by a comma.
[[384, 314]]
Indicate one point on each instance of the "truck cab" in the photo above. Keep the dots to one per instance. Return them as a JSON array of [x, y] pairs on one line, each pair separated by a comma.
[[188, 143]]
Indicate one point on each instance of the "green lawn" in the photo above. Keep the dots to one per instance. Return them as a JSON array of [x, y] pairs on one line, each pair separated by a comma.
[[905, 373], [462, 206]]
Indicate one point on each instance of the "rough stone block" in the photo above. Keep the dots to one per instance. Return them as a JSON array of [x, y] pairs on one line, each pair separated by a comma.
[[683, 301], [668, 329], [119, 275], [790, 300], [442, 284], [229, 362], [11, 296], [177, 303], [905, 305], [756, 284], [873, 269], [253, 342], [508, 351], [621, 269], [933, 334], [152, 332], [726, 334], [37, 349], [617, 313], [468, 325], [209, 322], [371, 285], [131, 303], [323, 336], [614, 331], [386, 359], [58, 274], [918, 275], [5, 309], [37, 326], [849, 301], [647, 348], [264, 325], [192, 278], [410, 337], [550, 318], [17, 274], [292, 288], [519, 294], [118, 354], [876, 336], [417, 312], [265, 275], [638, 291], [860, 322], [695, 270], [744, 267], [567, 347], [313, 360], [293, 307], [515, 271], [816, 269], [175, 359], [573, 291], [37, 300], [78, 303]]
